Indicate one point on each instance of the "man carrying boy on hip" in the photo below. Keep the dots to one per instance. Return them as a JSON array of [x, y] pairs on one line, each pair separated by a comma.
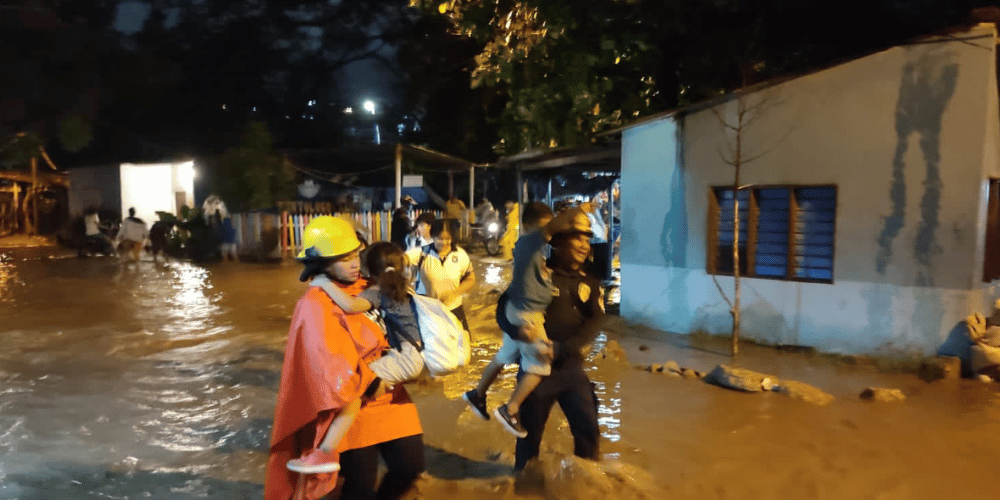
[[527, 297]]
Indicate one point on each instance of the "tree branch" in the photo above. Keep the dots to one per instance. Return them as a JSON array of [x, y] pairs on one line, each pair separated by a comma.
[[358, 57], [723, 121], [723, 294]]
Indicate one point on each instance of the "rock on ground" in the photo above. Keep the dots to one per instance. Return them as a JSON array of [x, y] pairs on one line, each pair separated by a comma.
[[567, 477], [939, 368], [982, 356], [882, 395], [805, 392], [739, 379], [612, 350]]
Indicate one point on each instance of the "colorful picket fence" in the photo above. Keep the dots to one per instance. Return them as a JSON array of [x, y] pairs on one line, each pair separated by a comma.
[[250, 227]]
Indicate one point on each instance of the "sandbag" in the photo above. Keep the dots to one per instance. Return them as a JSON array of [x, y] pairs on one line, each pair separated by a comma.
[[983, 356], [447, 346]]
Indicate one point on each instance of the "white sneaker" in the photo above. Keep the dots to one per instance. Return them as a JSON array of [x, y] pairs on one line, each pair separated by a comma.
[[317, 462]]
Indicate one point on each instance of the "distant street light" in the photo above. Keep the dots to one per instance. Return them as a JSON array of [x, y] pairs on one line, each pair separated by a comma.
[[369, 106]]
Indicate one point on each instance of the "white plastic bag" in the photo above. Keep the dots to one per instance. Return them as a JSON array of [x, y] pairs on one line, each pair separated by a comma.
[[447, 345]]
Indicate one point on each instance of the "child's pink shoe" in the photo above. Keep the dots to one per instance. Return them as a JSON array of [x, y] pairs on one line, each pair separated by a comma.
[[317, 462]]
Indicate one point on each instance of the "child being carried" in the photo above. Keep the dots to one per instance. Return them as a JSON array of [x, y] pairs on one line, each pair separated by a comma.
[[389, 270]]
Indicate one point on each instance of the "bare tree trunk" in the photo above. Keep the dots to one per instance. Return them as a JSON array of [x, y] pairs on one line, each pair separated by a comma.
[[745, 115]]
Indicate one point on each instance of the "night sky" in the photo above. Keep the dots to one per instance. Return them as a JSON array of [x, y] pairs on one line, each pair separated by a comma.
[[362, 80]]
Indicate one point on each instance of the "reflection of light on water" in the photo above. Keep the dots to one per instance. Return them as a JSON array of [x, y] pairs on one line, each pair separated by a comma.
[[190, 282], [7, 278], [608, 410], [493, 275], [609, 406], [190, 300]]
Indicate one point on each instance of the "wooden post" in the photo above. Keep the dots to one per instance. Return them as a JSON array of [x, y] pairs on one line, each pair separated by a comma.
[[472, 188], [17, 206], [399, 175], [34, 196]]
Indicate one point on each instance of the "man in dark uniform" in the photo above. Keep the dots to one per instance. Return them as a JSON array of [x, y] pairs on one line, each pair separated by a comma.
[[572, 321]]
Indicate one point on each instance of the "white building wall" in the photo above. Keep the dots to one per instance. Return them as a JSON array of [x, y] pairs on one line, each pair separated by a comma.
[[879, 128]]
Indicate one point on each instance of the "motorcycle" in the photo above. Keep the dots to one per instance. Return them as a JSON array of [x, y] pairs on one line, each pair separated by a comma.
[[488, 233], [98, 244]]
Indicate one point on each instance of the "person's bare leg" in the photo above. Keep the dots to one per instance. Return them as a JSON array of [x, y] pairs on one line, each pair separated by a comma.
[[341, 423], [490, 374], [527, 384]]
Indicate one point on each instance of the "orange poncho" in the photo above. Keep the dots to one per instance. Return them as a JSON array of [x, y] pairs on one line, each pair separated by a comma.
[[326, 366]]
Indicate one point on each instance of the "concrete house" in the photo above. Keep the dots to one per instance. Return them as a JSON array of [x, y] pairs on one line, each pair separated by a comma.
[[147, 187], [870, 222]]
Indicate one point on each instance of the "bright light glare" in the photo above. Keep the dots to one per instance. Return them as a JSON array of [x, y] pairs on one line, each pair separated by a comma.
[[369, 106], [493, 275], [189, 170], [493, 227], [348, 110], [147, 188]]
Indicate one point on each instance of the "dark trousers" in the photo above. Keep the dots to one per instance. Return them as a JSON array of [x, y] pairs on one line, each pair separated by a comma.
[[404, 461], [569, 386]]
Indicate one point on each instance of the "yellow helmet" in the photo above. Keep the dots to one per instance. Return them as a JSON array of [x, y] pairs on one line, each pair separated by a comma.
[[328, 237]]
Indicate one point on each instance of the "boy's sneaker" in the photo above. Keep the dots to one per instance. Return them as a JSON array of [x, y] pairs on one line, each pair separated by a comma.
[[477, 403], [317, 462], [510, 422]]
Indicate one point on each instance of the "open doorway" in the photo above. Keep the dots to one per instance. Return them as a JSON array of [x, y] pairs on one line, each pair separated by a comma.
[[991, 255]]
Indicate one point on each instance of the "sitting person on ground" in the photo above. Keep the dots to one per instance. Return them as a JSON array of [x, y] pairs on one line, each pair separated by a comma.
[[527, 297]]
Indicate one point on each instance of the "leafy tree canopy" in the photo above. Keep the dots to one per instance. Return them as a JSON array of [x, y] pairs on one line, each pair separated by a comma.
[[252, 175], [569, 69]]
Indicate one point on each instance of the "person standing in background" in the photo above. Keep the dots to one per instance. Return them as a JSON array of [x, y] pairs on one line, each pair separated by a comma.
[[421, 234], [133, 235], [454, 210], [227, 239], [400, 227]]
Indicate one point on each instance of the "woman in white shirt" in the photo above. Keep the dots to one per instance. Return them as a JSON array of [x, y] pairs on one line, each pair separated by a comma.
[[421, 234], [444, 271]]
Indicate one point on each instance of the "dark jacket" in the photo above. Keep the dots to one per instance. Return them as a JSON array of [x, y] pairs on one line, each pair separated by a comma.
[[570, 322], [400, 227]]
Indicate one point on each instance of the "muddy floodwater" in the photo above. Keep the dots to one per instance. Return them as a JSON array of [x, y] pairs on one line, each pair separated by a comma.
[[159, 381]]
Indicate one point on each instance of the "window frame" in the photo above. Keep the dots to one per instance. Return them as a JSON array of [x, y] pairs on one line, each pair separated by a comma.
[[753, 212]]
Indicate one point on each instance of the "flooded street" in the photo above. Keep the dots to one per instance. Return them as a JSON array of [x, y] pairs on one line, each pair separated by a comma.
[[159, 381]]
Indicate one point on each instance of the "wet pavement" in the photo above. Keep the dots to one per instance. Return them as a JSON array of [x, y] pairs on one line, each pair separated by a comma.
[[159, 381]]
